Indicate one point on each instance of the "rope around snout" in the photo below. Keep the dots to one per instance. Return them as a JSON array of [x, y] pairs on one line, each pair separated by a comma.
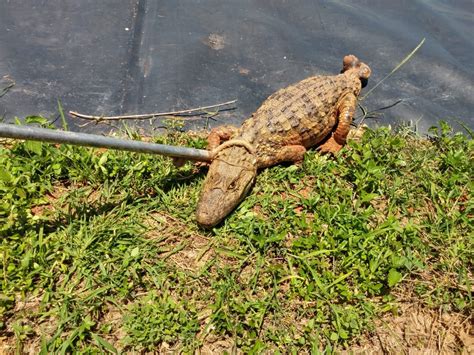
[[231, 143]]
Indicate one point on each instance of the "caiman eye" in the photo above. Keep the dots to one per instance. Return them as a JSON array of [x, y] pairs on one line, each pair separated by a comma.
[[232, 185]]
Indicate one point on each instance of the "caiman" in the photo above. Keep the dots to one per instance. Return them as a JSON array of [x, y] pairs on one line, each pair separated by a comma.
[[316, 111]]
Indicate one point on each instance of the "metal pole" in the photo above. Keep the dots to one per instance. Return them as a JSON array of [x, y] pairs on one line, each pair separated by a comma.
[[94, 140]]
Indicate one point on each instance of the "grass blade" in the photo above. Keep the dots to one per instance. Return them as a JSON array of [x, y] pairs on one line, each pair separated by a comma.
[[104, 343], [63, 118], [402, 63]]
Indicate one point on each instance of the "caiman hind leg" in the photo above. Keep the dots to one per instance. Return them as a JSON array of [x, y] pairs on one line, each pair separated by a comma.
[[338, 137]]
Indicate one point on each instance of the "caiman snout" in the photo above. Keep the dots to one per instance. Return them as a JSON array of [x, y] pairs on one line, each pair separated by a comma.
[[230, 178], [213, 207]]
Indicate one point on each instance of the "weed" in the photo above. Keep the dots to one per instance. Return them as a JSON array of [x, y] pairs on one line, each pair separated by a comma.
[[156, 320]]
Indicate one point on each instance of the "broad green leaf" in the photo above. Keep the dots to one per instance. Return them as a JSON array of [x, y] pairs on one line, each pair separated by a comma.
[[36, 119], [135, 252], [5, 175], [103, 159], [34, 147], [393, 277]]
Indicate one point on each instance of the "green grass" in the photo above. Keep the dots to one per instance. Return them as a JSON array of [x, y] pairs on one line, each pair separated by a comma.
[[100, 250]]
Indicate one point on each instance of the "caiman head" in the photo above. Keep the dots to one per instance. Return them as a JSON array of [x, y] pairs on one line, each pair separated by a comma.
[[353, 66], [230, 178]]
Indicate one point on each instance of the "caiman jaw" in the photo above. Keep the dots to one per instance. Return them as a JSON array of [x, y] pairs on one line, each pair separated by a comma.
[[226, 185]]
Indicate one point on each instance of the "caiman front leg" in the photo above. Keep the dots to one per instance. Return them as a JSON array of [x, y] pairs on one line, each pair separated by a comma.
[[215, 138], [218, 135], [288, 153], [338, 137]]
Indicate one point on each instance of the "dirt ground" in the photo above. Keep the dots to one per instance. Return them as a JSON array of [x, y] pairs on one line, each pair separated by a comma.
[[419, 331]]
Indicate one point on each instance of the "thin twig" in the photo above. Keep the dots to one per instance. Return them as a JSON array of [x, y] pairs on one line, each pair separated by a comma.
[[365, 114], [189, 118], [406, 59], [387, 107], [374, 113], [149, 115], [7, 88]]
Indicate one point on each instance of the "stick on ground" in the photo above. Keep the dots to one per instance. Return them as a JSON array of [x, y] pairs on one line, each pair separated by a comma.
[[148, 115]]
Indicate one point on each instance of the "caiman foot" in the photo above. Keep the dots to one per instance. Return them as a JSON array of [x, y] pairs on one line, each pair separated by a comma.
[[179, 162], [330, 146]]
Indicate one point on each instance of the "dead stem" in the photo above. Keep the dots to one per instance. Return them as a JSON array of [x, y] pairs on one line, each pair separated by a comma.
[[148, 115]]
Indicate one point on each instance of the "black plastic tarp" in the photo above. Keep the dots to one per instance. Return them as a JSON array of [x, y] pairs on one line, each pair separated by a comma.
[[114, 57]]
